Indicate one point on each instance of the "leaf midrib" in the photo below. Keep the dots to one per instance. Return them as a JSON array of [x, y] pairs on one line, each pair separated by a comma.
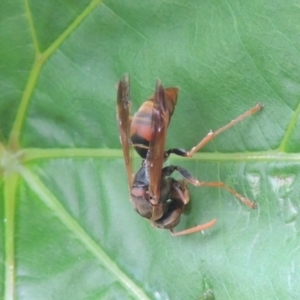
[[31, 154]]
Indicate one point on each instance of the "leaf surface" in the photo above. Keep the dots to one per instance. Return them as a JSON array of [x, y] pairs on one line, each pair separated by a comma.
[[69, 230]]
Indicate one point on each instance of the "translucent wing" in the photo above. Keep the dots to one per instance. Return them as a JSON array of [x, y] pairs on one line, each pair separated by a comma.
[[124, 121], [164, 102]]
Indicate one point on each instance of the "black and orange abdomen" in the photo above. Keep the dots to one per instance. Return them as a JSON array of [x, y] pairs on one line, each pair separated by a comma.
[[140, 132]]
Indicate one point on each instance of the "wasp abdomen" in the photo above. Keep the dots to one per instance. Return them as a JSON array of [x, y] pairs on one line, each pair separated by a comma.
[[140, 131]]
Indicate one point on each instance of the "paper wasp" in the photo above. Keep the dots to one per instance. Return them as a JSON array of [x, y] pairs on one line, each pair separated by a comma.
[[154, 194]]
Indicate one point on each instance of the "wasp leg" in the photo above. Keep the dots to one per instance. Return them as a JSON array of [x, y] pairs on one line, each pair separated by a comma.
[[180, 192], [195, 229], [220, 184], [167, 171], [212, 134], [177, 151]]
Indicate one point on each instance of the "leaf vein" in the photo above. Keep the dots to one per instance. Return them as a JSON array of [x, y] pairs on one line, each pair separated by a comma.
[[38, 187]]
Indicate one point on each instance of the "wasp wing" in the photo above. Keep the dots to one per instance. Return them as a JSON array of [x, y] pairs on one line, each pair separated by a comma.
[[124, 121], [163, 106]]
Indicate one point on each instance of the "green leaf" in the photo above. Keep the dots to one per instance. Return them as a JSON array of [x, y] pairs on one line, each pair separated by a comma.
[[69, 230]]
